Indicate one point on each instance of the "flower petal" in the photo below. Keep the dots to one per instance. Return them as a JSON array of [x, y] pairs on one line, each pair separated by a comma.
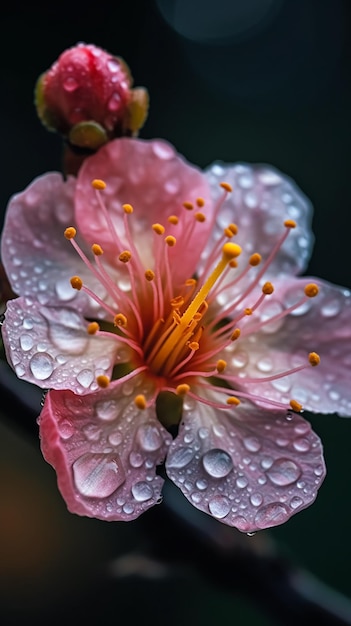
[[262, 199], [155, 180], [50, 347], [252, 469], [322, 325], [105, 452]]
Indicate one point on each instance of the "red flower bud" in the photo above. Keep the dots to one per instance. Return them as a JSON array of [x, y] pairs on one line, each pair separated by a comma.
[[87, 97]]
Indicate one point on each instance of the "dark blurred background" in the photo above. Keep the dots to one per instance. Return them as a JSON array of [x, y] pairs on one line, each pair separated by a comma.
[[234, 80]]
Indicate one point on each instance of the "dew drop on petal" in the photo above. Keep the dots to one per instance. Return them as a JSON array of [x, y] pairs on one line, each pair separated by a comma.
[[219, 506], [114, 102], [106, 410], [295, 502], [256, 499], [271, 515], [162, 150], [302, 445], [135, 459], [284, 472], [70, 84], [217, 463], [26, 342], [241, 482], [201, 484], [149, 437], [330, 308], [252, 444], [41, 366], [180, 457], [113, 65], [142, 491], [85, 378], [98, 475]]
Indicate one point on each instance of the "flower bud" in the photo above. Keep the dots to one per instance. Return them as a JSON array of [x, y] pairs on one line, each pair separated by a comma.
[[87, 97]]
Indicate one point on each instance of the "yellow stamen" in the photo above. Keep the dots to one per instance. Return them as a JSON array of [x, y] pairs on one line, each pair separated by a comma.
[[93, 328], [76, 282], [149, 275], [127, 208], [226, 186], [120, 320], [221, 365], [233, 228], [255, 259], [267, 289], [311, 290], [194, 345], [170, 241], [99, 184], [158, 229], [200, 202], [173, 219], [140, 401], [233, 263], [296, 406], [167, 352], [248, 311], [233, 400], [70, 232], [314, 359], [236, 334], [188, 205], [182, 390], [290, 224], [200, 217], [125, 256], [96, 249], [103, 381]]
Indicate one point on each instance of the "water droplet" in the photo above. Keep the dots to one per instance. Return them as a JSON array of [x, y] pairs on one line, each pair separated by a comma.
[[319, 470], [149, 437], [106, 410], [252, 444], [26, 342], [203, 433], [115, 438], [240, 359], [201, 484], [70, 84], [135, 459], [92, 432], [64, 291], [66, 429], [113, 65], [28, 323], [219, 506], [85, 378], [128, 508], [217, 463], [302, 445], [251, 534], [271, 515], [295, 502], [142, 491], [330, 308], [180, 457], [114, 102], [41, 366], [266, 462], [256, 499], [284, 472], [241, 482], [162, 150], [251, 200], [98, 475]]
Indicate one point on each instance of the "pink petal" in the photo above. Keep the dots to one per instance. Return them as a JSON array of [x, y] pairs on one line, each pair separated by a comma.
[[50, 347], [33, 249], [250, 468], [322, 325], [105, 452], [262, 199], [155, 180]]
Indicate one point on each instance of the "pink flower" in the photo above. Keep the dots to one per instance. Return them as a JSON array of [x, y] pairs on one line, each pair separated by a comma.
[[185, 310]]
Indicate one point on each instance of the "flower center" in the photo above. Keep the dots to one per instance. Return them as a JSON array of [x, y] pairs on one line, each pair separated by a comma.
[[177, 334]]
